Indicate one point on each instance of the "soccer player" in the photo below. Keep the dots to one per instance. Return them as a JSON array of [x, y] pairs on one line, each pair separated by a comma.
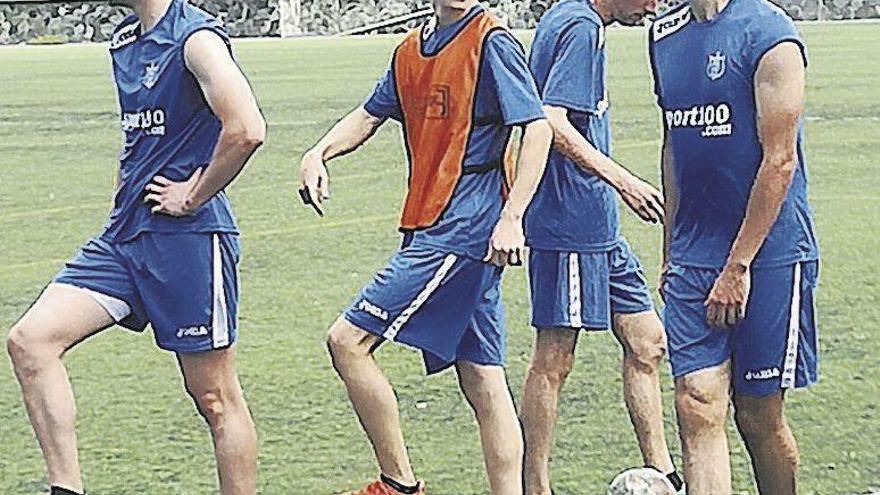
[[741, 258], [582, 272], [168, 255], [458, 85]]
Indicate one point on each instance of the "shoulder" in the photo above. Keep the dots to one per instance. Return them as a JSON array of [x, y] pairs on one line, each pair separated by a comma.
[[766, 16], [670, 23], [503, 43], [125, 32], [191, 19]]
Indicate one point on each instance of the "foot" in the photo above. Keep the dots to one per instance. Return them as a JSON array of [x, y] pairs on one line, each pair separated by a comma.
[[379, 487]]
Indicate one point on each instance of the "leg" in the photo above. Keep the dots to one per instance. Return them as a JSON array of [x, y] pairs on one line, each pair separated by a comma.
[[212, 382], [372, 397], [771, 445], [485, 388], [552, 361], [644, 345], [62, 317], [701, 400]]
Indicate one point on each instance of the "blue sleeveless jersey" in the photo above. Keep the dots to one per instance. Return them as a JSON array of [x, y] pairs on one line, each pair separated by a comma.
[[573, 210], [704, 80], [169, 128]]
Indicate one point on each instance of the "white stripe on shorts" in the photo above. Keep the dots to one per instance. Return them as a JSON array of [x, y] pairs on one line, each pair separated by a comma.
[[398, 323], [219, 314], [789, 367], [575, 306], [116, 308]]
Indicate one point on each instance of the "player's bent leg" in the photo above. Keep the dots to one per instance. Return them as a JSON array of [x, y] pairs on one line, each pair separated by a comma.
[[351, 350], [644, 344], [212, 382], [486, 390], [552, 361], [61, 317], [768, 438], [702, 399]]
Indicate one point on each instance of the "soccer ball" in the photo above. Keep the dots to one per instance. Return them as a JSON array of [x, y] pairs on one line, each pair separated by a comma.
[[641, 481]]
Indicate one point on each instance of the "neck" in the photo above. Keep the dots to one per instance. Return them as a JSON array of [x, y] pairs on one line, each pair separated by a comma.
[[150, 12], [603, 9], [448, 15], [706, 10]]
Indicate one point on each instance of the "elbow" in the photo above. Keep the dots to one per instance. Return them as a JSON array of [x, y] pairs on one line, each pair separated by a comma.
[[541, 131], [250, 136]]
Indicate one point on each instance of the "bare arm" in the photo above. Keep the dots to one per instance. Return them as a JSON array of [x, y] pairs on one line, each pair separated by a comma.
[[243, 129], [670, 195], [508, 239], [779, 96], [346, 136], [642, 197]]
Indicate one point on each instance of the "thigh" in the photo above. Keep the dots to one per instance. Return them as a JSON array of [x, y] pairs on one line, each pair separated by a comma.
[[628, 288], [569, 289], [189, 287], [693, 344], [775, 345], [61, 317], [485, 339], [209, 372]]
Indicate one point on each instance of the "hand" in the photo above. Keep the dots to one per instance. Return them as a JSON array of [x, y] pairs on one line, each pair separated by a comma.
[[507, 242], [643, 198], [726, 304], [314, 180], [172, 198]]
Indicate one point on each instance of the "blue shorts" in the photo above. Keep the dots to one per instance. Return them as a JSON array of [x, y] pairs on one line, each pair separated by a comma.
[[184, 285], [446, 305], [775, 347], [583, 290]]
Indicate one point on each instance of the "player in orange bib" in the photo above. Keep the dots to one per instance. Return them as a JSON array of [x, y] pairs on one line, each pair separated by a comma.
[[458, 85]]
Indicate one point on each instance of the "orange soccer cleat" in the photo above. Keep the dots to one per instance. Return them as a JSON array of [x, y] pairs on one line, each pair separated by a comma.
[[379, 487]]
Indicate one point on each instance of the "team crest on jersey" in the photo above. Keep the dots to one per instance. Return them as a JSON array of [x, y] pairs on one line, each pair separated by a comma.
[[151, 75], [717, 65]]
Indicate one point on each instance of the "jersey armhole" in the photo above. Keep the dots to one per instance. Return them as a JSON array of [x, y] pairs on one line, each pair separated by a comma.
[[802, 48]]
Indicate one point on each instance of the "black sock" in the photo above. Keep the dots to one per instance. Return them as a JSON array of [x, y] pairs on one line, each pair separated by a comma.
[[675, 479], [398, 486], [57, 490]]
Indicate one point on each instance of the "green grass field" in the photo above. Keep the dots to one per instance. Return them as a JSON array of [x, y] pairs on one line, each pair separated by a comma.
[[139, 432]]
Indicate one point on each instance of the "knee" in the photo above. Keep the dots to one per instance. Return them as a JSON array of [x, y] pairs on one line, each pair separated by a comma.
[[758, 422], [28, 353], [345, 341], [700, 410], [552, 364], [646, 352], [213, 403]]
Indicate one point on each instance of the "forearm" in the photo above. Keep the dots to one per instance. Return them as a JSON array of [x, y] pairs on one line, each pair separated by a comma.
[[347, 135], [568, 141], [233, 150], [535, 147], [765, 202]]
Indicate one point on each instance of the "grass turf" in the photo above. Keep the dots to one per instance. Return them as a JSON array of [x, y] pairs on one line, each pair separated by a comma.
[[140, 434]]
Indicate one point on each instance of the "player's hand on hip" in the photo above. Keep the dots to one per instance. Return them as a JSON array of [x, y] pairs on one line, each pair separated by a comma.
[[643, 198], [314, 181], [507, 242], [171, 198], [726, 304]]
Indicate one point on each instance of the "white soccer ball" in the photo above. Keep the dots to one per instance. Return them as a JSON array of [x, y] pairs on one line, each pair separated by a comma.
[[641, 481]]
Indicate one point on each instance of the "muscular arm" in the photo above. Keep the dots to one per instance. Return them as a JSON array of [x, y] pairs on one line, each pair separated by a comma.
[[346, 136], [779, 96], [643, 198], [230, 97]]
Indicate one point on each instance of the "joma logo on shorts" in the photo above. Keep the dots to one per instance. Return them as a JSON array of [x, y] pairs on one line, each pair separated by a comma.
[[714, 119], [765, 374], [372, 309], [195, 331]]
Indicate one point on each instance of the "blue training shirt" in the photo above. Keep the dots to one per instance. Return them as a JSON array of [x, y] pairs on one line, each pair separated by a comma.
[[505, 97], [573, 210], [169, 128], [704, 79]]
